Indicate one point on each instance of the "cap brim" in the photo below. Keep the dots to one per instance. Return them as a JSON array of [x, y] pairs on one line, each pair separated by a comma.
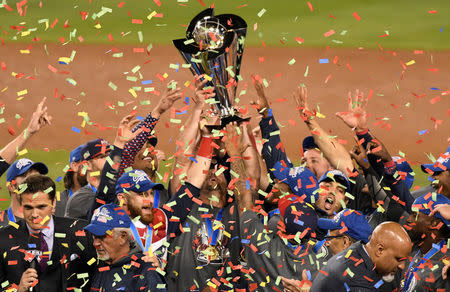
[[96, 229], [328, 224], [430, 167], [39, 166]]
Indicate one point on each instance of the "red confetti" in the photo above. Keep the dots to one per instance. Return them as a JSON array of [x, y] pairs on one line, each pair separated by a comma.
[[310, 6], [136, 21], [434, 100], [120, 4], [11, 131], [432, 11], [356, 16], [299, 40], [157, 2], [328, 33]]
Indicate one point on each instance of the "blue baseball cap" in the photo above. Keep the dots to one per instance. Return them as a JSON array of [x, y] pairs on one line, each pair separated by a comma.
[[425, 204], [22, 165], [75, 155], [297, 216], [108, 217], [309, 143], [441, 164], [354, 223], [136, 181], [94, 148], [300, 179], [336, 176], [404, 167]]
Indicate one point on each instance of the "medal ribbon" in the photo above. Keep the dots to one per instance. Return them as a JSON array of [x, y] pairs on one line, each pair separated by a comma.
[[427, 256], [148, 240], [212, 235], [11, 215], [156, 199]]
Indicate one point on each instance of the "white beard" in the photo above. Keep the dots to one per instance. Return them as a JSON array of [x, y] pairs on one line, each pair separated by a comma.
[[388, 278]]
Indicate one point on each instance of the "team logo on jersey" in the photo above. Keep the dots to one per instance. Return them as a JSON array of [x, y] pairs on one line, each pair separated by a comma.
[[21, 163]]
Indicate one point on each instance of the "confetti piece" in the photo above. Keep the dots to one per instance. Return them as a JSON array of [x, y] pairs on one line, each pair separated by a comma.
[[329, 33], [323, 61], [260, 13], [292, 62], [310, 6], [356, 16]]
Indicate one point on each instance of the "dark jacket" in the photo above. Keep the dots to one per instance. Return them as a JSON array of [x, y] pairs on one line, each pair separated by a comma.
[[72, 249], [128, 274], [362, 276]]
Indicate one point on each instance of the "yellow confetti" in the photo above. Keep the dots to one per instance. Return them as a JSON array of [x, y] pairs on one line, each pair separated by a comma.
[[22, 92], [410, 63], [24, 51], [133, 93]]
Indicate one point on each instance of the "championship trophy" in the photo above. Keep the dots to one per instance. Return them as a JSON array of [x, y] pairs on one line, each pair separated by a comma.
[[213, 46]]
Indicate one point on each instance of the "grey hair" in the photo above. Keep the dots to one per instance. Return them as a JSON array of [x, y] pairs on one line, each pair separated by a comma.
[[118, 230]]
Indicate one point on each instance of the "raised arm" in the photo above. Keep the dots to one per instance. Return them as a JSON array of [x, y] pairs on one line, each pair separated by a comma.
[[236, 147], [188, 139], [170, 94], [273, 149], [335, 153], [39, 119], [110, 173]]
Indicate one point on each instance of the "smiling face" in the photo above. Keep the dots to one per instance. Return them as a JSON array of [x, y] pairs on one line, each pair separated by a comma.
[[37, 209], [146, 160], [138, 204], [330, 196]]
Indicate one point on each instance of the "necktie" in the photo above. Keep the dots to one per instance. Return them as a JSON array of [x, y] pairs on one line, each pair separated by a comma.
[[44, 257]]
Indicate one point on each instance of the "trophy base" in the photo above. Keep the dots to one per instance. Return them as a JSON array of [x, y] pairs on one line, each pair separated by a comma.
[[226, 120]]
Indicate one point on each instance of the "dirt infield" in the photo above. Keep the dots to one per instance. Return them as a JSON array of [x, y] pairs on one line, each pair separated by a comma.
[[409, 107]]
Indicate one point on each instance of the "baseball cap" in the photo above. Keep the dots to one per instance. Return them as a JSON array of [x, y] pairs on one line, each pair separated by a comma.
[[309, 143], [351, 222], [441, 164], [425, 204], [108, 217], [22, 165], [404, 170], [94, 148], [137, 181], [297, 215], [75, 155], [337, 176], [300, 179]]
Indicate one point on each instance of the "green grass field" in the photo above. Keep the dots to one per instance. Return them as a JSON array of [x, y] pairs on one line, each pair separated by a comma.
[[400, 24], [57, 160]]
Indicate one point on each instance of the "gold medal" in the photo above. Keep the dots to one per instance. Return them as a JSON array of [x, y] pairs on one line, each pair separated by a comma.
[[212, 253]]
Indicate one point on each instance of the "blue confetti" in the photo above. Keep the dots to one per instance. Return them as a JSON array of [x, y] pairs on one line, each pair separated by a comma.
[[181, 113], [145, 82], [323, 61], [270, 112], [245, 241], [178, 68], [76, 130], [442, 29], [193, 159], [32, 245], [308, 273], [346, 287], [62, 63], [186, 100], [247, 184], [378, 284], [423, 132], [434, 88], [140, 118], [59, 178]]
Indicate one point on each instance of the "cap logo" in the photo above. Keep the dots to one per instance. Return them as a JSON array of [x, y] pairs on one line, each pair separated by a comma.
[[102, 216], [139, 176], [23, 162], [293, 172]]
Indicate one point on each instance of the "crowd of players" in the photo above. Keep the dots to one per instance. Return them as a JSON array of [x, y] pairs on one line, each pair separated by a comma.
[[237, 215]]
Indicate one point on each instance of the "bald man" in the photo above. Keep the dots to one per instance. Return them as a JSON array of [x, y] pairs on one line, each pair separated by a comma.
[[367, 267]]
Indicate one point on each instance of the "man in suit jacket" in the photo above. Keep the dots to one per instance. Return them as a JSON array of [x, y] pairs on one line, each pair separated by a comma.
[[42, 251]]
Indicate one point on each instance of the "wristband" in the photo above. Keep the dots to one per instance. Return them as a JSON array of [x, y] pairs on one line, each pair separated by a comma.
[[363, 132], [205, 149]]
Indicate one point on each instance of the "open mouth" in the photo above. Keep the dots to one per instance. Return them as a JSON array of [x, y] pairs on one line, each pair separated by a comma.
[[147, 158], [329, 201]]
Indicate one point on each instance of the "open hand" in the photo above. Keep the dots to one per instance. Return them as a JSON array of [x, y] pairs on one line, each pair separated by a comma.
[[292, 285], [262, 104], [233, 140], [356, 116], [301, 98], [170, 94], [377, 148], [200, 93], [125, 130]]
